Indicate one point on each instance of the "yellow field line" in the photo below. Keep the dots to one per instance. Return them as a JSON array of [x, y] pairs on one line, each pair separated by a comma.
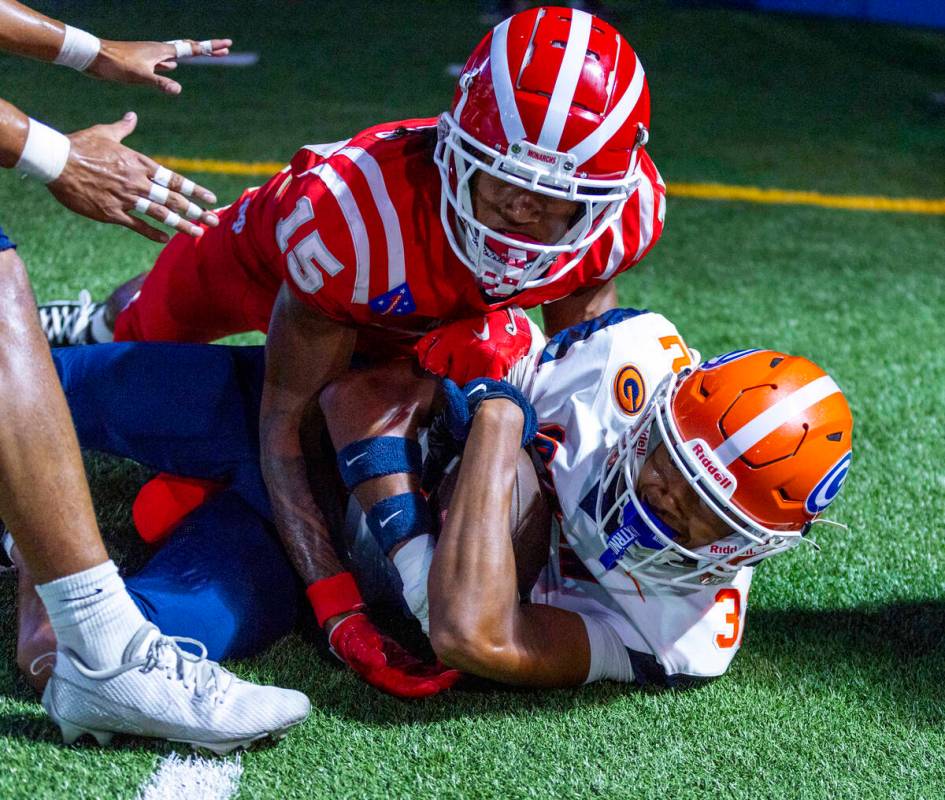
[[701, 191], [755, 194], [211, 165]]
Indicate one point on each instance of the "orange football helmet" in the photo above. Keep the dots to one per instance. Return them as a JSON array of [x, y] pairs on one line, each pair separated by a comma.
[[763, 438]]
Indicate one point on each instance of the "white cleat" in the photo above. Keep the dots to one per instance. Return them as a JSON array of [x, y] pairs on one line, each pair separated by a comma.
[[163, 691]]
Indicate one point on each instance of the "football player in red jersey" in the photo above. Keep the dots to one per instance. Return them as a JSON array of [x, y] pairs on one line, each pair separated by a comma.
[[534, 189]]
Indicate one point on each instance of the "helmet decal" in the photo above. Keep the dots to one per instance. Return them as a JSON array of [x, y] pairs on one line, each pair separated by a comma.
[[828, 487], [726, 358], [629, 389], [710, 464]]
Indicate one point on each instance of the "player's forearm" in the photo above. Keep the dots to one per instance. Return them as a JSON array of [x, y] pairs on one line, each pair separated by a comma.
[[473, 587], [44, 498], [303, 353], [14, 128], [302, 527], [26, 32]]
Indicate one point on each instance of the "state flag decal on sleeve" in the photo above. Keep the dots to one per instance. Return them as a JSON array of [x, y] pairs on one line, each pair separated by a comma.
[[397, 302]]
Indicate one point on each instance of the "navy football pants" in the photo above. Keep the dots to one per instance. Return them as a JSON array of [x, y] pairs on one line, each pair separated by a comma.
[[222, 577]]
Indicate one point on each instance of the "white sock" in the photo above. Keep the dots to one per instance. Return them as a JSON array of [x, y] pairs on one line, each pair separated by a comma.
[[92, 614], [101, 333]]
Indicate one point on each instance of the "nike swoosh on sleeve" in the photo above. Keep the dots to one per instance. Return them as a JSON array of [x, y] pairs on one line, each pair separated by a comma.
[[384, 522]]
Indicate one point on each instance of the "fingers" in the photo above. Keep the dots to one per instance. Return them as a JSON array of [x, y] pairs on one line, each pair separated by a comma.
[[162, 176], [140, 226], [166, 198], [116, 131], [167, 85], [187, 48], [170, 218]]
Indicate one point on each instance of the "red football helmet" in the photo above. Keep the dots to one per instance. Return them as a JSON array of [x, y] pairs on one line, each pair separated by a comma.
[[555, 101], [763, 438]]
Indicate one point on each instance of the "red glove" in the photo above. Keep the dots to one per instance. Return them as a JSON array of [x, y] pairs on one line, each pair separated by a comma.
[[483, 347], [165, 500], [384, 663], [377, 658]]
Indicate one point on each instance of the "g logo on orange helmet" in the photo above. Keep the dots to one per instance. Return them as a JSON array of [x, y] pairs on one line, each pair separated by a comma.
[[828, 487]]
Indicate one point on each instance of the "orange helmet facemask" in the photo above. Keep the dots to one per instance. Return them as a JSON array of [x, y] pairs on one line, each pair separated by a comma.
[[763, 438]]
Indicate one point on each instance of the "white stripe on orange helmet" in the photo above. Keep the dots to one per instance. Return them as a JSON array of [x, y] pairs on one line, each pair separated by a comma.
[[566, 83], [773, 418]]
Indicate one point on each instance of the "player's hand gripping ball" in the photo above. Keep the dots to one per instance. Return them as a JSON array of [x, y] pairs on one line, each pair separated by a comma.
[[461, 405], [486, 346]]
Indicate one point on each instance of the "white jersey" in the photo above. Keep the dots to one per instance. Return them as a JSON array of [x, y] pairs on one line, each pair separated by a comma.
[[587, 385]]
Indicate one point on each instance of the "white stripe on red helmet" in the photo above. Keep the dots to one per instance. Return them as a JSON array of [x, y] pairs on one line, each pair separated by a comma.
[[615, 120], [502, 84], [566, 83]]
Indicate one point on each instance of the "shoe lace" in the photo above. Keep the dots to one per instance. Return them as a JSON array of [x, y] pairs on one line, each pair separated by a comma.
[[43, 662], [194, 671], [66, 322]]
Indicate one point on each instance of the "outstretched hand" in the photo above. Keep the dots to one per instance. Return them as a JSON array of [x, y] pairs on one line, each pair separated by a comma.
[[104, 180], [384, 663], [142, 62]]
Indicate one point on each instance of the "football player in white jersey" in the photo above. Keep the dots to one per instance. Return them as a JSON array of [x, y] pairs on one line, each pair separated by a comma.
[[671, 480]]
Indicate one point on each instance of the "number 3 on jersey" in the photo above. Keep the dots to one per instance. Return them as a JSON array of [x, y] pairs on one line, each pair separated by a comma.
[[305, 258], [731, 601]]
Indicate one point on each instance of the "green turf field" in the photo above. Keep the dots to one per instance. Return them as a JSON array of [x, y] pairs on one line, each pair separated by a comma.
[[838, 691]]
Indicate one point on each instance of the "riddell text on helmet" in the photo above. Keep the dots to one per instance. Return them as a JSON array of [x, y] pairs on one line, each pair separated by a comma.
[[715, 472]]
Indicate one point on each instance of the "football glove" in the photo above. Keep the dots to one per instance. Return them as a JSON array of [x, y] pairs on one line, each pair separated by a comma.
[[377, 658], [462, 405], [384, 663], [483, 346]]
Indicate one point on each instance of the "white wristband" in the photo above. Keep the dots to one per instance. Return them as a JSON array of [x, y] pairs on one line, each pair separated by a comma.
[[413, 563], [45, 153], [78, 50]]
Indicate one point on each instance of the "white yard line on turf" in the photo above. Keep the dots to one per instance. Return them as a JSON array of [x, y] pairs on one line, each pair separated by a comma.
[[192, 777]]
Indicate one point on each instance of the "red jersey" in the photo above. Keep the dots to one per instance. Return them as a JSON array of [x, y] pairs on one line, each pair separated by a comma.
[[354, 228]]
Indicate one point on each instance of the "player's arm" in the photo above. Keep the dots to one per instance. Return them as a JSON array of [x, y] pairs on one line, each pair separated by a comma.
[[26, 32], [578, 307], [304, 351], [93, 174], [476, 621]]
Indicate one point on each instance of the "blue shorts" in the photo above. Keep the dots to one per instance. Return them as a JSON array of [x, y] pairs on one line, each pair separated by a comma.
[[5, 243], [222, 577]]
